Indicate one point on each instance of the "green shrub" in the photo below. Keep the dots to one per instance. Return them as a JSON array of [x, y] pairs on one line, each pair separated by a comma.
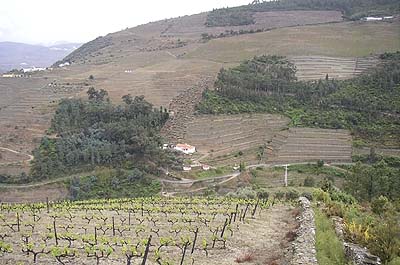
[[309, 182], [329, 248]]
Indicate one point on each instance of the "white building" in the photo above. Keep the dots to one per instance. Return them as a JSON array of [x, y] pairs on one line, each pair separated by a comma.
[[187, 168], [33, 69], [373, 18], [64, 64], [206, 167], [185, 148]]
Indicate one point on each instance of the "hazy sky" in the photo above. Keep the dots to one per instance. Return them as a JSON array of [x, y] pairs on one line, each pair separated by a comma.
[[47, 21]]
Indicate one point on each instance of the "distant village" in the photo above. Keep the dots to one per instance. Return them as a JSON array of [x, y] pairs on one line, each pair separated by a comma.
[[26, 72]]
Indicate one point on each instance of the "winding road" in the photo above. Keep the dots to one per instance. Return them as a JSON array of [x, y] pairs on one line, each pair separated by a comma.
[[189, 182], [30, 157]]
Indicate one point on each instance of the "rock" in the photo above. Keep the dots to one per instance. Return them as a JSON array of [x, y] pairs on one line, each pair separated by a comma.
[[359, 255], [304, 251]]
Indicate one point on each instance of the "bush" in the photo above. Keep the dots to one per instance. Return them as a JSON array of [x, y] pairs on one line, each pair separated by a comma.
[[380, 205], [329, 248], [322, 196], [243, 193], [292, 195], [309, 182]]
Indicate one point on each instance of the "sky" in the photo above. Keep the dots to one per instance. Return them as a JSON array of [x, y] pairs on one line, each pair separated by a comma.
[[49, 21]]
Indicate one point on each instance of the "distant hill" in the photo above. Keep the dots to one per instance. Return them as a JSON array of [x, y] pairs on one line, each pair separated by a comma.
[[19, 55]]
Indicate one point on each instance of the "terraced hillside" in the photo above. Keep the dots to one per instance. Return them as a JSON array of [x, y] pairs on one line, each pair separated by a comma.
[[317, 67], [309, 144], [161, 60], [223, 134]]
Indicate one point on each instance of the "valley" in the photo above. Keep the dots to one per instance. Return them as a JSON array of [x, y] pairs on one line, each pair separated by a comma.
[[286, 109]]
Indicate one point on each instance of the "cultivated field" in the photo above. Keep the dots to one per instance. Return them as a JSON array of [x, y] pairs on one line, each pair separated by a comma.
[[317, 67], [309, 144], [158, 230], [227, 133]]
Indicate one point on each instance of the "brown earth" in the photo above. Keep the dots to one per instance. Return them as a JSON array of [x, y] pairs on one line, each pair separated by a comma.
[[161, 60], [53, 192]]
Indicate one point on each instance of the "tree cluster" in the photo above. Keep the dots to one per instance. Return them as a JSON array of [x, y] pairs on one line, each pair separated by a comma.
[[96, 132]]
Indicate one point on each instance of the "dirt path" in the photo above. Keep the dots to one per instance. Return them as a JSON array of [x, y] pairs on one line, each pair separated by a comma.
[[30, 157], [264, 239]]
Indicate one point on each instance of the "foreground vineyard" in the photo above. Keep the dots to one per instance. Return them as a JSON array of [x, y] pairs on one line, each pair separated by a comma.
[[128, 231]]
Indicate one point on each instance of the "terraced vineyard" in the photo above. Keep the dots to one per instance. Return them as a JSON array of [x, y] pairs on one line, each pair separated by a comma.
[[144, 231], [309, 144], [227, 133], [317, 67]]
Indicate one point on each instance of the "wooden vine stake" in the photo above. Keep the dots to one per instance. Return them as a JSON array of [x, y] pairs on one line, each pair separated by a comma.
[[255, 208], [55, 231], [18, 222], [47, 205], [146, 252], [223, 228], [184, 252], [194, 240], [113, 226]]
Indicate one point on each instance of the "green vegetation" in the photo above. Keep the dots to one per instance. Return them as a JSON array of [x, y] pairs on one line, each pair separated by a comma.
[[351, 9], [95, 132], [229, 17], [114, 183], [329, 248], [212, 172], [366, 182], [377, 229], [367, 105]]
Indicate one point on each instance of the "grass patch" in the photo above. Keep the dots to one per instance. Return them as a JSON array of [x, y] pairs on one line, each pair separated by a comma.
[[329, 248], [113, 183], [213, 172]]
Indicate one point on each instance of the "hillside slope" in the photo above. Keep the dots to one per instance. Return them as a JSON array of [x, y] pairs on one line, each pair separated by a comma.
[[160, 60]]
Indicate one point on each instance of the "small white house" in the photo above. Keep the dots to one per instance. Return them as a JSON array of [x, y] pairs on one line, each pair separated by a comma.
[[206, 167], [187, 168], [185, 148]]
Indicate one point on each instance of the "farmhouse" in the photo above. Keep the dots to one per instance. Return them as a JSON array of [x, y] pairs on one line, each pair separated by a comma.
[[185, 148]]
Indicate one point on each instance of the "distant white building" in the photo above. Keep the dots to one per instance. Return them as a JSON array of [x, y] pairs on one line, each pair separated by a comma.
[[185, 148], [33, 69], [64, 64], [187, 168], [10, 75], [206, 167], [373, 18]]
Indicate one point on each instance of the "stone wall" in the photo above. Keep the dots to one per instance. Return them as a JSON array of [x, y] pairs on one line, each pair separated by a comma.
[[356, 254], [304, 251]]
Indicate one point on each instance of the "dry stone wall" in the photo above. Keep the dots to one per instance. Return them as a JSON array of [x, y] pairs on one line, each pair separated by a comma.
[[304, 251]]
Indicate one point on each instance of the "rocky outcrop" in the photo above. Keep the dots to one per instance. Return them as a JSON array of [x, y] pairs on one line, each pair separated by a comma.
[[304, 251], [182, 110], [359, 255]]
